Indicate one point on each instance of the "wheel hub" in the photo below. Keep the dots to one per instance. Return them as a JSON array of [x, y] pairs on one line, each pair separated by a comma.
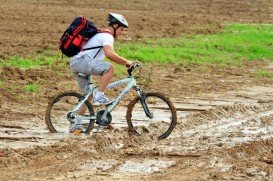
[[70, 117]]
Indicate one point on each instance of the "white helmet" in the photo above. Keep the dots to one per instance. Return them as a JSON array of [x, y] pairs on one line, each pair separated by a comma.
[[114, 18]]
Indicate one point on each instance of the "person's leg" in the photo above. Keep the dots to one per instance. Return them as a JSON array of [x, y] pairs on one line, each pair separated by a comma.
[[82, 109], [106, 71], [106, 78], [77, 126], [81, 65]]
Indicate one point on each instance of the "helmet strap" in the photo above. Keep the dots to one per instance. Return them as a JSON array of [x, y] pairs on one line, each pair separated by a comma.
[[115, 29]]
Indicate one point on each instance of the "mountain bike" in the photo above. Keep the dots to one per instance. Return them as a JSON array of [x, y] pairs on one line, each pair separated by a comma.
[[149, 113]]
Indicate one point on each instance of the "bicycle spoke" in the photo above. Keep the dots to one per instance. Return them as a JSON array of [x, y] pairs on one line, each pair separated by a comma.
[[59, 110], [163, 117]]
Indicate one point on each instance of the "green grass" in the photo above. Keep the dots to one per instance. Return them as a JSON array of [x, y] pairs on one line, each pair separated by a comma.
[[31, 88], [235, 43], [265, 73], [31, 62]]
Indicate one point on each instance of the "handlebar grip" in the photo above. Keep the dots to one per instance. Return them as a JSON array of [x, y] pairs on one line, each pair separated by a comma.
[[132, 68]]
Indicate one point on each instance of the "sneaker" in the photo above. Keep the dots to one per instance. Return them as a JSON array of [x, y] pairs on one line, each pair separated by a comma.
[[102, 100], [76, 129]]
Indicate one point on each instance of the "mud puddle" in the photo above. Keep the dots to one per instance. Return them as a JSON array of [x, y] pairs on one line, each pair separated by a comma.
[[225, 130], [130, 166], [28, 134]]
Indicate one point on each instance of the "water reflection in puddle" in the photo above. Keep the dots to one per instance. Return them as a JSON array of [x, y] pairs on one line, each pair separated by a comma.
[[131, 166]]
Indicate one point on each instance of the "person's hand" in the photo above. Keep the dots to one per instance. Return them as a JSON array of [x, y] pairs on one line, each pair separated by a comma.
[[129, 64]]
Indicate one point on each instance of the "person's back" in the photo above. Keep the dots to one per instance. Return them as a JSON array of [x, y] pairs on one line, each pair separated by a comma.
[[100, 39]]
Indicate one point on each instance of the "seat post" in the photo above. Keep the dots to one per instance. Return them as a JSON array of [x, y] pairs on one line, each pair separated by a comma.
[[89, 79]]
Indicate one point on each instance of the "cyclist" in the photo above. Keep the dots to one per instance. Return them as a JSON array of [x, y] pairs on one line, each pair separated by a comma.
[[91, 62]]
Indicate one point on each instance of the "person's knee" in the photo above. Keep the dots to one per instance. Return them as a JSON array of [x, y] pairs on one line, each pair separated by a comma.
[[109, 71]]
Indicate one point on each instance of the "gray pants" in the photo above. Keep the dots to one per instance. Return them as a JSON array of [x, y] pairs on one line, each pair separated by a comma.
[[89, 66]]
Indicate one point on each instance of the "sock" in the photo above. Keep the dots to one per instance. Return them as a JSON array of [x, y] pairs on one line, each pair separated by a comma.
[[77, 124], [98, 94]]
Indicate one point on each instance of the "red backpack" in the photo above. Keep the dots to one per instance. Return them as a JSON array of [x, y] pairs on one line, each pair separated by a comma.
[[76, 35]]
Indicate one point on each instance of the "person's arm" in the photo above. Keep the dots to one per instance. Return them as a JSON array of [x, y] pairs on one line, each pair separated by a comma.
[[113, 56]]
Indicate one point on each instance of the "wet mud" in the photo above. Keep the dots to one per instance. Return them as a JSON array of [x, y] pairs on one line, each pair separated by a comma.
[[225, 114]]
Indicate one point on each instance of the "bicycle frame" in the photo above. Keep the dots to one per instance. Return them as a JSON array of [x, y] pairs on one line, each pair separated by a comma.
[[129, 81]]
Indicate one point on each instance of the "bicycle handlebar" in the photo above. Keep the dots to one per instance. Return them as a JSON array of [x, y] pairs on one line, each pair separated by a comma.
[[131, 70]]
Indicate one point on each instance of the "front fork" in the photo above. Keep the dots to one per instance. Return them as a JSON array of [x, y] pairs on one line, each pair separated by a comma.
[[143, 98]]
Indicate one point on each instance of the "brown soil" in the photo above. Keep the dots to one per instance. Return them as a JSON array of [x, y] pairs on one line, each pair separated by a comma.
[[34, 26], [225, 114]]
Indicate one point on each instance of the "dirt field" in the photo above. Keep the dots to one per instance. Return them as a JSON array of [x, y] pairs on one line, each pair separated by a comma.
[[225, 115]]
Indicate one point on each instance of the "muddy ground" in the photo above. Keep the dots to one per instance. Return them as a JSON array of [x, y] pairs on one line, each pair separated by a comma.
[[225, 114]]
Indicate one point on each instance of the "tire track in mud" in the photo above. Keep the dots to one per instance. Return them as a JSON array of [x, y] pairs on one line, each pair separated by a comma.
[[224, 126]]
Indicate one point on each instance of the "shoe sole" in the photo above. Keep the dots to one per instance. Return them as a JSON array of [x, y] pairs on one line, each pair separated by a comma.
[[76, 132], [102, 104]]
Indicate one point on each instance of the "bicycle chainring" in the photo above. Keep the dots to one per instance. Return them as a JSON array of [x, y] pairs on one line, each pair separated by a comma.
[[103, 122]]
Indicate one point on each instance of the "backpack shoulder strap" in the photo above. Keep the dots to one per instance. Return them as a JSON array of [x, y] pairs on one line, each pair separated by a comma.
[[100, 47], [92, 48]]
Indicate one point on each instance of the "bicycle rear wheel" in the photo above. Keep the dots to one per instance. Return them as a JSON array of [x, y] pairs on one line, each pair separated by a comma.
[[159, 124], [59, 110]]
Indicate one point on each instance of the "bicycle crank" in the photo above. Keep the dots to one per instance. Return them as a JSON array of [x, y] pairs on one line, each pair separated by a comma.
[[103, 122], [70, 117]]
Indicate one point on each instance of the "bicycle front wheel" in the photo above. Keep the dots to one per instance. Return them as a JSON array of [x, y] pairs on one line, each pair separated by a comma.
[[160, 120], [59, 116]]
